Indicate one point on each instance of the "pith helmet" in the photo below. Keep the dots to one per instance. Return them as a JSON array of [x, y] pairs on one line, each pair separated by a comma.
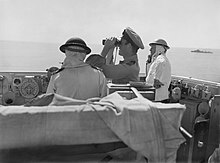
[[160, 42], [78, 45]]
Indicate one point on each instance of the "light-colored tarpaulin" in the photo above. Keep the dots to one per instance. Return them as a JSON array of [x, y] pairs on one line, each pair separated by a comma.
[[150, 129]]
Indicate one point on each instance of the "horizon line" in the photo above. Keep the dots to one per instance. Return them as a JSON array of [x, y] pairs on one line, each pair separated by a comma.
[[37, 42]]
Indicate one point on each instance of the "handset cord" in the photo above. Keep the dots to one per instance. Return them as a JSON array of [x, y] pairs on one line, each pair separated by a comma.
[[116, 53]]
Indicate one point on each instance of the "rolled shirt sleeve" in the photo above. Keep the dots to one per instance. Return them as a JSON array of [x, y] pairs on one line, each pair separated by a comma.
[[151, 74]]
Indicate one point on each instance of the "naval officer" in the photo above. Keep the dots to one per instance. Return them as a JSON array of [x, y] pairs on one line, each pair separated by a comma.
[[128, 69]]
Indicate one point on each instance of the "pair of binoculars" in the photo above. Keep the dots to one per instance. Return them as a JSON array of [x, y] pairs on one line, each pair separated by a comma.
[[117, 42]]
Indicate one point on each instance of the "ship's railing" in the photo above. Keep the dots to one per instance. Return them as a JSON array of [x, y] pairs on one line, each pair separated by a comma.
[[214, 86]]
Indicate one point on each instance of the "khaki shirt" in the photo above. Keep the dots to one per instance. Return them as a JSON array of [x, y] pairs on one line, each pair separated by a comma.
[[125, 71], [78, 82]]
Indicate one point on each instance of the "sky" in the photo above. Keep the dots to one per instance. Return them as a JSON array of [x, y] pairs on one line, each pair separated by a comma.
[[182, 23]]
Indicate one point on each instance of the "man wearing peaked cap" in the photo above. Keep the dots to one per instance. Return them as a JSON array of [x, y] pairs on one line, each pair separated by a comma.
[[77, 79], [133, 37], [159, 74], [128, 69]]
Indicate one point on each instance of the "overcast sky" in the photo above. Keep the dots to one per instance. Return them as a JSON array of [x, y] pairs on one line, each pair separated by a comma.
[[183, 23]]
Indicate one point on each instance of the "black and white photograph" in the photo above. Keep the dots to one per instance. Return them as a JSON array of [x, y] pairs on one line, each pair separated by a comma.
[[109, 81]]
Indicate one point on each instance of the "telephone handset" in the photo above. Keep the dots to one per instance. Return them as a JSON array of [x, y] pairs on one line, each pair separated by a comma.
[[152, 57]]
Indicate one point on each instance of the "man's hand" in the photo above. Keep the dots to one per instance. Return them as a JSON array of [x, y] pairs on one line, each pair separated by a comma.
[[157, 83], [109, 47], [110, 42]]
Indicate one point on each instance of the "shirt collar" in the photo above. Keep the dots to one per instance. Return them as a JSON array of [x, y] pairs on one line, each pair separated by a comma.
[[131, 58], [68, 64]]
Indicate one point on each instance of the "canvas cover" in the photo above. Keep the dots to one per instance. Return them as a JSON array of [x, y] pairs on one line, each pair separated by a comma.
[[150, 129]]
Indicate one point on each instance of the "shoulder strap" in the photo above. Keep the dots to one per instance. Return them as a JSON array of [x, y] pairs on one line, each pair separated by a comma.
[[59, 70]]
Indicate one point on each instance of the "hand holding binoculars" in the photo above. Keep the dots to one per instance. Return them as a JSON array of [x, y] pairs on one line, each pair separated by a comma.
[[117, 41]]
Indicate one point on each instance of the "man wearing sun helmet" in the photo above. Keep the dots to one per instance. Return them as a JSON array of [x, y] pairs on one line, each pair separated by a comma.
[[77, 79], [159, 74]]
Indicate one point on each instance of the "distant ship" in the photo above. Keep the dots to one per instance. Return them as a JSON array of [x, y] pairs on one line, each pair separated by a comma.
[[200, 51]]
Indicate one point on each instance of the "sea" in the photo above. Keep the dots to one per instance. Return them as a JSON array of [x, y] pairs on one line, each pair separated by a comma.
[[32, 56]]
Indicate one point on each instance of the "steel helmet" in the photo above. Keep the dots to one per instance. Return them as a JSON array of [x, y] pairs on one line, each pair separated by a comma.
[[79, 44], [160, 42]]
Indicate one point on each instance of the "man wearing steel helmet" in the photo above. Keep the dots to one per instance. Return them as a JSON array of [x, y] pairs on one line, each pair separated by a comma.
[[128, 69], [159, 74], [77, 79]]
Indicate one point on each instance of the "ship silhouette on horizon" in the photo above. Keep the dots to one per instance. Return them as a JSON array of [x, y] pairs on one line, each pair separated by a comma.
[[200, 51]]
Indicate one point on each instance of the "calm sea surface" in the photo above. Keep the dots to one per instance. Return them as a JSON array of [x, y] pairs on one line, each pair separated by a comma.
[[23, 56]]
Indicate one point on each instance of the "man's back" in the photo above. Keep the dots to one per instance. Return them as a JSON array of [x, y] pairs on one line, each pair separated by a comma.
[[80, 82]]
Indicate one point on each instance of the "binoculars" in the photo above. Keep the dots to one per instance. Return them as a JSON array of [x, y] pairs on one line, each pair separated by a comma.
[[117, 42]]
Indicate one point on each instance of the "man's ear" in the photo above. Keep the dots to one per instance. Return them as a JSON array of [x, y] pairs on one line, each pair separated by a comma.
[[130, 46]]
